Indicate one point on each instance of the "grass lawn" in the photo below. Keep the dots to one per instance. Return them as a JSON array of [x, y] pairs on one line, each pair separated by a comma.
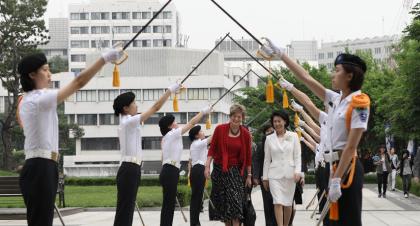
[[97, 196], [8, 173]]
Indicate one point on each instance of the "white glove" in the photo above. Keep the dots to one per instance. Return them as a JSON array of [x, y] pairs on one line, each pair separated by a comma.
[[206, 110], [334, 192], [286, 85], [174, 87], [297, 106], [276, 51], [112, 55], [302, 123]]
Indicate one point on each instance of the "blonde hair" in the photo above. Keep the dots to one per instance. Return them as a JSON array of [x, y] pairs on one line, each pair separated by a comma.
[[237, 108]]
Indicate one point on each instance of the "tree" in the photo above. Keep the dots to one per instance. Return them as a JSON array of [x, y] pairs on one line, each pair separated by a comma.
[[22, 28], [400, 103], [58, 64]]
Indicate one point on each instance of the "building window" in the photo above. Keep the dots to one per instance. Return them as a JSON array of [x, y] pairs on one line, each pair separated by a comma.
[[158, 29], [168, 29], [167, 15], [107, 95], [138, 28], [79, 44], [76, 71], [108, 119], [157, 43], [152, 94], [146, 43], [167, 42], [136, 15], [321, 56], [330, 55], [151, 143], [78, 58], [87, 120], [99, 16], [121, 29], [100, 144], [86, 96], [154, 119], [120, 15], [215, 93], [146, 15], [136, 92], [79, 16], [214, 118], [55, 85], [100, 30], [180, 118], [192, 114], [159, 16], [378, 50], [198, 94], [79, 30], [123, 42], [70, 119], [339, 52], [100, 44]]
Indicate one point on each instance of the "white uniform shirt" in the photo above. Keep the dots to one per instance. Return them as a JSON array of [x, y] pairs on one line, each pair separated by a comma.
[[199, 151], [38, 113], [172, 147], [337, 131], [129, 134], [323, 118]]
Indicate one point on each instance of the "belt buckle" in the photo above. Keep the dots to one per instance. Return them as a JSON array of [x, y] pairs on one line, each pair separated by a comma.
[[54, 156]]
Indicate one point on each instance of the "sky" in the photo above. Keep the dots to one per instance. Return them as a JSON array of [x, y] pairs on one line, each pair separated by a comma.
[[282, 20]]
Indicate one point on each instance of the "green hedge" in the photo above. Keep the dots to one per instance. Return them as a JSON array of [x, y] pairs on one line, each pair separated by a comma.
[[103, 181], [154, 181]]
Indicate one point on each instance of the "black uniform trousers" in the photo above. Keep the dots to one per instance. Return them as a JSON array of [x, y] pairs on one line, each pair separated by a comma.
[[270, 218], [321, 178], [128, 182], [350, 202], [38, 183], [168, 177], [382, 182], [197, 189]]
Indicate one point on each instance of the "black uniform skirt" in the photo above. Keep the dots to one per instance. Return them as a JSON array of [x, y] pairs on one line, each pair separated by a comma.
[[227, 194], [350, 202]]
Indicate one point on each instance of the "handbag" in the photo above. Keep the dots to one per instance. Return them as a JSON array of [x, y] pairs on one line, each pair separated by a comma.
[[249, 211]]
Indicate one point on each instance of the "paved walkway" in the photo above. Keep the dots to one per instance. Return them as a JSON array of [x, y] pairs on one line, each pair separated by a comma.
[[395, 210]]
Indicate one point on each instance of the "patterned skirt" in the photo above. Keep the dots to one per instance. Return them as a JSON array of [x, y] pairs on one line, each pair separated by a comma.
[[227, 194]]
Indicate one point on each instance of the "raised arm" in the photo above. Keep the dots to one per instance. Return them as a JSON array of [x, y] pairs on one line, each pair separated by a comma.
[[310, 131], [196, 119], [158, 104], [317, 88], [86, 75]]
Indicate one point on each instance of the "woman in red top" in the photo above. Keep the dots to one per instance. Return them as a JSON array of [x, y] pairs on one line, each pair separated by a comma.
[[231, 151]]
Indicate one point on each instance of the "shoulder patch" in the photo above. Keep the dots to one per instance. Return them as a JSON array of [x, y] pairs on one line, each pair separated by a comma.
[[363, 114]]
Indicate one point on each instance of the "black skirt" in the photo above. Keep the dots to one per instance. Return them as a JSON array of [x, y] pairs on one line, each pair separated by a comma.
[[227, 194]]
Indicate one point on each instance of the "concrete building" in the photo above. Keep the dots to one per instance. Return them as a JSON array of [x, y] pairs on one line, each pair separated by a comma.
[[59, 38], [100, 24], [379, 47], [303, 51], [97, 152]]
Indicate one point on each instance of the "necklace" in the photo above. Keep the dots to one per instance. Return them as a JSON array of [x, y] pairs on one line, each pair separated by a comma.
[[234, 133]]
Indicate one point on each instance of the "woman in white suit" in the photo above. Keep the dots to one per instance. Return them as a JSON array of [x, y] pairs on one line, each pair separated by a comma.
[[282, 166]]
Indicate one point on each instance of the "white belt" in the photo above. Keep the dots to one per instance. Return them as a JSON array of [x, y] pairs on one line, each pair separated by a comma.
[[198, 162], [331, 157], [172, 162], [131, 159], [46, 154]]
